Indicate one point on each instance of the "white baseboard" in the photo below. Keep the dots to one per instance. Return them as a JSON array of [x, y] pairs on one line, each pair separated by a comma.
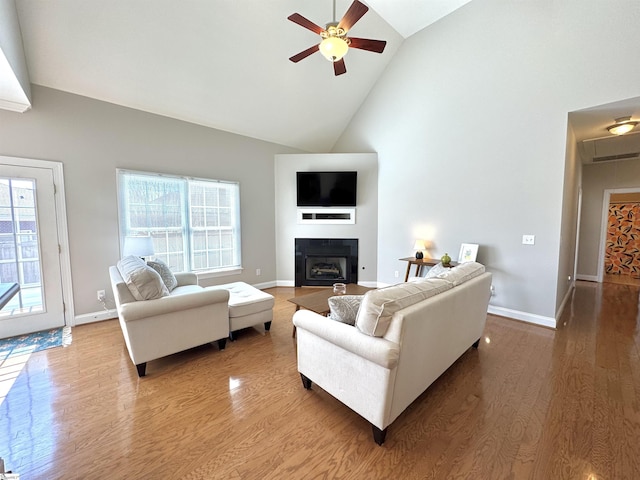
[[95, 317], [262, 286], [523, 316], [588, 278], [565, 300]]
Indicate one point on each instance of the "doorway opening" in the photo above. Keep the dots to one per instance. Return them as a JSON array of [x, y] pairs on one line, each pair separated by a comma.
[[619, 260]]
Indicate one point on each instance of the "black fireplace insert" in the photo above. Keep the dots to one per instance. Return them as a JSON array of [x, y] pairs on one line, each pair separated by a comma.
[[325, 261]]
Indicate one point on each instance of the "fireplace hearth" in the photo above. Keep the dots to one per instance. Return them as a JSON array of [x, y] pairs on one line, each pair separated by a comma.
[[325, 261]]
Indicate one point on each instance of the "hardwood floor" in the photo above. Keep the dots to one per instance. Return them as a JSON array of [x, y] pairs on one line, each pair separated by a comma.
[[530, 403], [621, 279]]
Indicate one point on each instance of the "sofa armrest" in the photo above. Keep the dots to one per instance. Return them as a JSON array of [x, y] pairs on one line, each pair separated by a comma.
[[375, 349], [173, 303], [186, 278]]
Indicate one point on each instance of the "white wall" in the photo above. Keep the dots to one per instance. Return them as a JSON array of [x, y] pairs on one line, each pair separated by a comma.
[[569, 225], [365, 229], [93, 138], [469, 122], [596, 179], [18, 97]]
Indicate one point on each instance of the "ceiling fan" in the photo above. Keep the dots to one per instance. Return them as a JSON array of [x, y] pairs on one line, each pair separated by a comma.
[[335, 44]]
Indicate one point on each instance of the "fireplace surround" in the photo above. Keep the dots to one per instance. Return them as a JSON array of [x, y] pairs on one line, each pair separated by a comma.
[[325, 261]]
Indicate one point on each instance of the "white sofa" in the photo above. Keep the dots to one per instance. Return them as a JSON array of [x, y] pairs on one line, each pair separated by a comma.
[[405, 336]]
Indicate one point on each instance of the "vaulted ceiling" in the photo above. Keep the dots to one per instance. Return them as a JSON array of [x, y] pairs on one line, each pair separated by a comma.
[[219, 63], [225, 63]]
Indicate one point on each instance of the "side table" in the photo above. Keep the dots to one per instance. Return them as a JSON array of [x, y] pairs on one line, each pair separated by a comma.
[[419, 263]]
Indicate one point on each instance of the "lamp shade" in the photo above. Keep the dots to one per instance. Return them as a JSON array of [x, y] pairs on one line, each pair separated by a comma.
[[333, 48], [419, 245], [138, 246]]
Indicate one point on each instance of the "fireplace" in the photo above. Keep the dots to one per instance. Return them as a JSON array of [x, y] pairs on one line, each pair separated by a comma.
[[325, 261]]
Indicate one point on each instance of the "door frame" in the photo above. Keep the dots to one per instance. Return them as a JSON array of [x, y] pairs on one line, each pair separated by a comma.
[[61, 225], [606, 199]]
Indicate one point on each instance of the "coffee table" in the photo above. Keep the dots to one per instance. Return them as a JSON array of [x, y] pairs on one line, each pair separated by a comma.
[[319, 301]]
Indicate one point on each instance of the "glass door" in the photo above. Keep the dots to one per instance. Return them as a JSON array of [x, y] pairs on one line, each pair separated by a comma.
[[29, 252]]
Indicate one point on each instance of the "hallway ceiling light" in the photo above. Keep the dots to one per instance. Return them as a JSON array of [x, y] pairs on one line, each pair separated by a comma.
[[623, 125]]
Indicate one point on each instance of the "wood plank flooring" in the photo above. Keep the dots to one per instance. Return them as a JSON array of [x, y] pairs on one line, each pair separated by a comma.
[[530, 403]]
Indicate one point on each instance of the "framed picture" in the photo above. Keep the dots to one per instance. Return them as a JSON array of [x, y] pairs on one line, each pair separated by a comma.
[[468, 252]]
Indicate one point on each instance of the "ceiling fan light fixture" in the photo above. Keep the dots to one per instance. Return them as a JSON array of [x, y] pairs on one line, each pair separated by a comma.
[[334, 43], [333, 48], [623, 125]]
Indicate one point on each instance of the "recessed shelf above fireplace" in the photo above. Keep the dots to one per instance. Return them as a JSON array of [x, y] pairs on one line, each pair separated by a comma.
[[326, 216]]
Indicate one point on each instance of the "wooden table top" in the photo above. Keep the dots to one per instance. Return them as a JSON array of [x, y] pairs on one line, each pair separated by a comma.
[[430, 262], [319, 301]]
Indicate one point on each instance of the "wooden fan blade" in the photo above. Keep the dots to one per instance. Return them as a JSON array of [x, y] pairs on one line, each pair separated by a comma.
[[339, 67], [303, 22], [368, 44], [304, 54], [355, 13]]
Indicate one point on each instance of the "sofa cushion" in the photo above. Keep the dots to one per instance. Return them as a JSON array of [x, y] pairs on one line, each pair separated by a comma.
[[245, 299], [165, 273], [463, 272], [378, 306], [143, 282], [344, 308], [182, 289]]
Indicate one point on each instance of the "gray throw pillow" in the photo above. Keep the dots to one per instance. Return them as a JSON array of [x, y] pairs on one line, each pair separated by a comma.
[[165, 272], [344, 308], [143, 282]]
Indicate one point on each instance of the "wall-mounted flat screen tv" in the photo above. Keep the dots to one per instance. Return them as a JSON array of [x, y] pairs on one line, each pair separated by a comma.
[[326, 189]]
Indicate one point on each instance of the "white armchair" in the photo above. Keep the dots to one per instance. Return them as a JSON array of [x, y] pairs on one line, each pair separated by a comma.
[[186, 317]]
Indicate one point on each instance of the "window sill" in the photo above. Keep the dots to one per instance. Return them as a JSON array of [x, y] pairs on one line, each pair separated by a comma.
[[218, 273]]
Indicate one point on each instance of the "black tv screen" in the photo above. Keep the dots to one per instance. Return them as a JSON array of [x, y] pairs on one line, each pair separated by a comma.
[[326, 189]]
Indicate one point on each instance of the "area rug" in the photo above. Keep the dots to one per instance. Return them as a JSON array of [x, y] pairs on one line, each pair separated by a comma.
[[34, 342], [16, 351]]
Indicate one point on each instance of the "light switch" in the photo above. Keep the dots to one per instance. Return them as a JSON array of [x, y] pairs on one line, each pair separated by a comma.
[[528, 239]]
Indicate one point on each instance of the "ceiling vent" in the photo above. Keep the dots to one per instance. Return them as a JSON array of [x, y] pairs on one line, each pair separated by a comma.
[[609, 149], [622, 156]]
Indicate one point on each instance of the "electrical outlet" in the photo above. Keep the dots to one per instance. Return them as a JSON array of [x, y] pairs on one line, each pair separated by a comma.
[[101, 295], [528, 239], [396, 274], [493, 290], [258, 272]]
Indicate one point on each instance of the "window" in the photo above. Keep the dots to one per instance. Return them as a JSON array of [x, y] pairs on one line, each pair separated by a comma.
[[194, 223]]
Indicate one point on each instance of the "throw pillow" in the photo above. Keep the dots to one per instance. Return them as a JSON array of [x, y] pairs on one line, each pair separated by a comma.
[[436, 270], [344, 308], [165, 272], [463, 272], [143, 282]]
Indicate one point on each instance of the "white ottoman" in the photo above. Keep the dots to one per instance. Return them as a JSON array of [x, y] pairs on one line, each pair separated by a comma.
[[248, 307]]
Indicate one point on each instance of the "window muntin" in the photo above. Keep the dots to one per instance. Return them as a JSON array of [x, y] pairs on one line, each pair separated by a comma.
[[194, 223]]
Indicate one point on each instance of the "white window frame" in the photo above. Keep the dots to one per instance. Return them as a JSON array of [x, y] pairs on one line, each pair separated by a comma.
[[187, 229]]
